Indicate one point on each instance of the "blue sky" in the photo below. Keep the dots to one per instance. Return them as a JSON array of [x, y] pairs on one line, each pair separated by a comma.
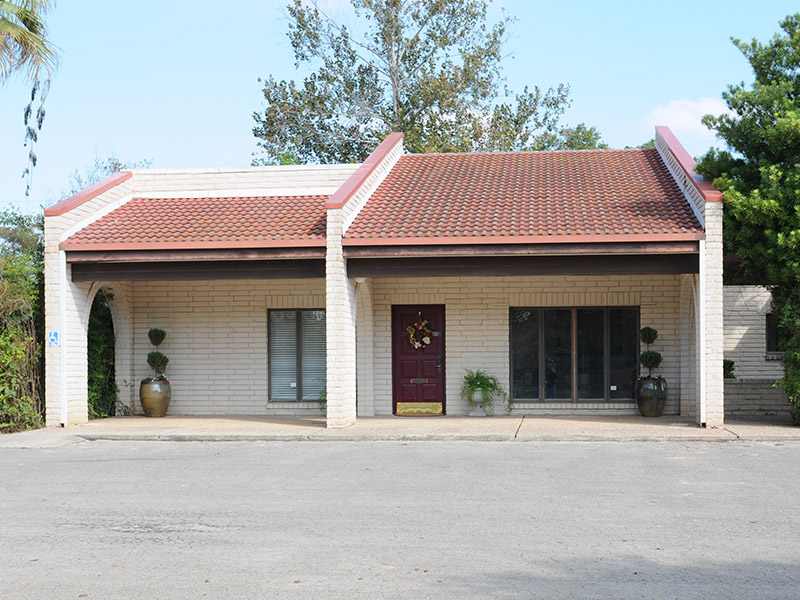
[[175, 84]]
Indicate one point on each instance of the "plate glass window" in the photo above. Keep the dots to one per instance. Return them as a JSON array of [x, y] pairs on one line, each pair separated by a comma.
[[296, 354], [574, 354]]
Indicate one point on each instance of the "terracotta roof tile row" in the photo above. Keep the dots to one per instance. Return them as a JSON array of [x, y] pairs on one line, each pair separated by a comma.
[[569, 193], [198, 221]]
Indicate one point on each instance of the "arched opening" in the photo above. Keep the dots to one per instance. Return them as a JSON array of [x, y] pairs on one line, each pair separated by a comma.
[[102, 391]]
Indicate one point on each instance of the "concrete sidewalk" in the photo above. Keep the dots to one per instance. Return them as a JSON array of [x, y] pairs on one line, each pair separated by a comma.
[[524, 429]]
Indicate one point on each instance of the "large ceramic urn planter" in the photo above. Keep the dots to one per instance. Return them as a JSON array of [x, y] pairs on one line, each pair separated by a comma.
[[155, 397], [651, 396]]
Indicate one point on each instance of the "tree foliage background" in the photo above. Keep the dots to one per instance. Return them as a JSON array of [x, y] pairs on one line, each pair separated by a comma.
[[22, 315], [759, 176], [428, 68], [26, 51], [21, 321]]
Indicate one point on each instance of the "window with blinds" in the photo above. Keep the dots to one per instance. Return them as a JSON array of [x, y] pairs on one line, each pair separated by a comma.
[[296, 346]]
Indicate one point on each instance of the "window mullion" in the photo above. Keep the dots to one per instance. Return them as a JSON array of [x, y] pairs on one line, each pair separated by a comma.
[[542, 349], [574, 354], [607, 354], [299, 355]]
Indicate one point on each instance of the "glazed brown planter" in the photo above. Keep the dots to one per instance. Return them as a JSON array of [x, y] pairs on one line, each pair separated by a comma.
[[155, 397], [651, 396]]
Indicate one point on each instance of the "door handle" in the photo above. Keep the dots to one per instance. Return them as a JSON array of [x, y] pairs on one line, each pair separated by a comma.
[[439, 364]]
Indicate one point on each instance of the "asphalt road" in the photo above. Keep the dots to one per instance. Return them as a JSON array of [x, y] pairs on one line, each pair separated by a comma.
[[401, 520]]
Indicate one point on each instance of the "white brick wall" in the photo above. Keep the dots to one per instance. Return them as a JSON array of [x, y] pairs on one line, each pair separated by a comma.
[[340, 304], [277, 180], [714, 318], [121, 306], [477, 329], [688, 354], [77, 299], [217, 341], [746, 307], [361, 197], [365, 363]]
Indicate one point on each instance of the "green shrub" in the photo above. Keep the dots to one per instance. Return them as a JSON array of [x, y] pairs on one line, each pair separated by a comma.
[[728, 368], [158, 361], [156, 336], [488, 386], [101, 384], [650, 359], [21, 321]]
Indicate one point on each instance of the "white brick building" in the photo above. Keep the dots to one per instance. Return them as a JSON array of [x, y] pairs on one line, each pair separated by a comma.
[[279, 284], [751, 343]]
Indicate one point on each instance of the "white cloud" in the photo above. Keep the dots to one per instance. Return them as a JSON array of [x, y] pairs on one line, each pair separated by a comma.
[[683, 118]]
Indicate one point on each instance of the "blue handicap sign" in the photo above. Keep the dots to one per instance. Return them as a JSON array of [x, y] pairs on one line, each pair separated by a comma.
[[52, 339]]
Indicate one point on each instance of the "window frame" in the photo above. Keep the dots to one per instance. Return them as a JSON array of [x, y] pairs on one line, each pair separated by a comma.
[[772, 333], [573, 399], [298, 353]]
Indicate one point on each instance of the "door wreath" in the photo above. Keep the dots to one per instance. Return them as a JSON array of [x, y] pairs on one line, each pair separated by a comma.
[[419, 334]]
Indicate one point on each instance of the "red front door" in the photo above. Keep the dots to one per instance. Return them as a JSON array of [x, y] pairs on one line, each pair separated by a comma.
[[418, 360]]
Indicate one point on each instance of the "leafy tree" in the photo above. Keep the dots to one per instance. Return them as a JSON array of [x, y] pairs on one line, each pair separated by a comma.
[[651, 143], [21, 320], [24, 47], [428, 68], [25, 50], [99, 170], [759, 176], [583, 137], [22, 315]]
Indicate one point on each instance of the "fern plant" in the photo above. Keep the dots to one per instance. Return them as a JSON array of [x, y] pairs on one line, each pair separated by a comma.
[[480, 388]]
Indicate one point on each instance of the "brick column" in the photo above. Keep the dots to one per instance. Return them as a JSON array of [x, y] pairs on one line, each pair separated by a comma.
[[122, 318], [689, 340], [711, 335], [340, 318], [365, 351], [67, 306]]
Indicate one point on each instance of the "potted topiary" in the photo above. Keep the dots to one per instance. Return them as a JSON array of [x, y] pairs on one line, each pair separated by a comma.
[[651, 392], [155, 392], [480, 390]]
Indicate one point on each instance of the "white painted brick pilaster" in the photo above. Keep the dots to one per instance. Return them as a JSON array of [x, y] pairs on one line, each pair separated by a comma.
[[340, 306], [365, 349], [714, 342]]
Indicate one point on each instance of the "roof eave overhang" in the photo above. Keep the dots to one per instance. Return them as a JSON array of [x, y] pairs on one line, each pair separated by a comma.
[[188, 251], [555, 245], [118, 255]]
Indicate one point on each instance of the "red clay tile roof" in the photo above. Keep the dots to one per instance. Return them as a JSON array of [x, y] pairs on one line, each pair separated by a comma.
[[145, 223], [531, 196]]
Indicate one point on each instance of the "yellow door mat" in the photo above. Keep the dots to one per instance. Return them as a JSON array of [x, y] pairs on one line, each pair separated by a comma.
[[419, 409]]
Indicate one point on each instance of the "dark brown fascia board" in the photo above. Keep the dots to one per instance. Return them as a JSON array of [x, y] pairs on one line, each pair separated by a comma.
[[131, 256], [199, 270], [462, 266], [686, 247]]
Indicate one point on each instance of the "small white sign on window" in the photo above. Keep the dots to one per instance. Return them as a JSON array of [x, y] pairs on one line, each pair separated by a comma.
[[52, 339]]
